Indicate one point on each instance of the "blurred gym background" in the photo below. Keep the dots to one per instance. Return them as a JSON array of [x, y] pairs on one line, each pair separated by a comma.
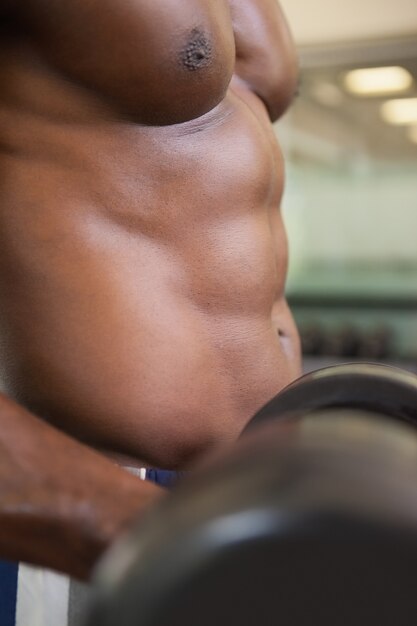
[[350, 143]]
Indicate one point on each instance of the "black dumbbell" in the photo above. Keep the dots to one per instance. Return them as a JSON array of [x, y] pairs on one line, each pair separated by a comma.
[[382, 389], [314, 526]]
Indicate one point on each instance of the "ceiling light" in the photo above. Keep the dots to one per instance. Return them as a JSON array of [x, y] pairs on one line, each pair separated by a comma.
[[412, 134], [377, 81], [402, 111]]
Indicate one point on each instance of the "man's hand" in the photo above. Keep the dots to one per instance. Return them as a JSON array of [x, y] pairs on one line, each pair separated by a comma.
[[61, 503]]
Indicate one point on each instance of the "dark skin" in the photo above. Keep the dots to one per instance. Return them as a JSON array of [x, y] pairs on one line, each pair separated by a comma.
[[142, 253]]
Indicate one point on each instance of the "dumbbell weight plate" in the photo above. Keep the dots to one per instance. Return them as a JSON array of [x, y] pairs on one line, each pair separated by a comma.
[[315, 530], [372, 387]]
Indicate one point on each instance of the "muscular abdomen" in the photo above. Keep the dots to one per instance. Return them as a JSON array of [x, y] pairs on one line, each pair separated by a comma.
[[141, 277]]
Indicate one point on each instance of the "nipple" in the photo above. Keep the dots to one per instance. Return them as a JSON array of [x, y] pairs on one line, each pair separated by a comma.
[[198, 51]]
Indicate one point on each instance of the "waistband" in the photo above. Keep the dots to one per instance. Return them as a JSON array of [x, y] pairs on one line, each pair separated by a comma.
[[163, 478]]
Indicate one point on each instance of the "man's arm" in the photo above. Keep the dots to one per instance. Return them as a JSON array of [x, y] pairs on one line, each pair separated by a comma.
[[61, 503], [265, 57], [157, 61]]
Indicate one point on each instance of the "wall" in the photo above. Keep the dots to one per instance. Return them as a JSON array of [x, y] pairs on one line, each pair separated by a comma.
[[325, 21]]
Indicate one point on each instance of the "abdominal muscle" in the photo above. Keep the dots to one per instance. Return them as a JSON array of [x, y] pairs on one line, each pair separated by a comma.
[[142, 274]]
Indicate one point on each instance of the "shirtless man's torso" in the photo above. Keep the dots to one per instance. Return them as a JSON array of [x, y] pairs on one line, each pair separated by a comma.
[[142, 252], [143, 256]]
